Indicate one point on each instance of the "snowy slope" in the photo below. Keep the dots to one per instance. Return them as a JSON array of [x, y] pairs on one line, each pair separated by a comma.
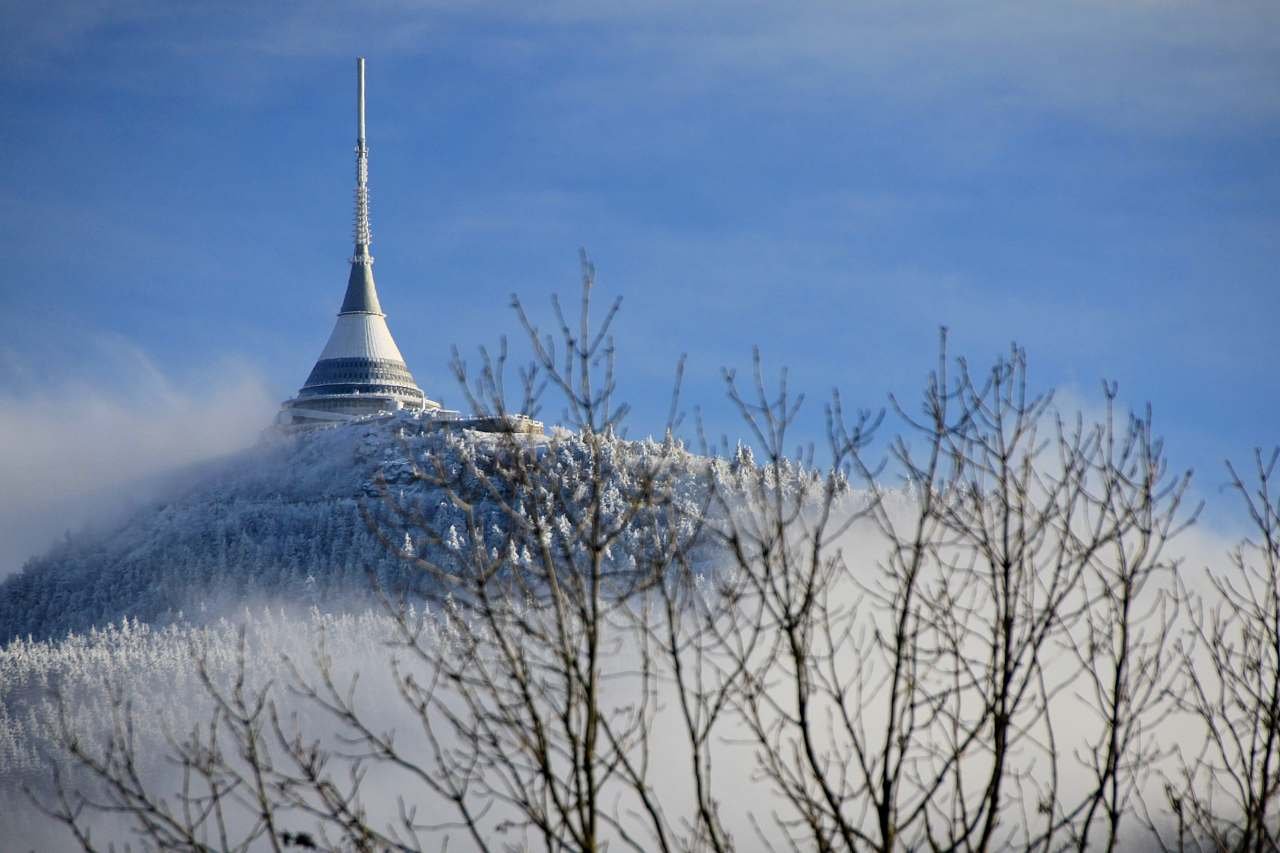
[[281, 523], [257, 523]]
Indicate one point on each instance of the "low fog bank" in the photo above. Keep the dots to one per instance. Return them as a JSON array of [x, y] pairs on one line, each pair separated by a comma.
[[87, 681], [81, 452], [156, 672]]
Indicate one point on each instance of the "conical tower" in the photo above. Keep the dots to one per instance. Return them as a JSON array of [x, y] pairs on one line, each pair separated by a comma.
[[360, 372]]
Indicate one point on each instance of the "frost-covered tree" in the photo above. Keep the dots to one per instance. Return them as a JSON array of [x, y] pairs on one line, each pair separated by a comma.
[[587, 642]]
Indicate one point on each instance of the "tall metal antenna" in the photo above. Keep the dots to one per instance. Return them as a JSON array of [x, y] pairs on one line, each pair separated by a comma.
[[363, 234]]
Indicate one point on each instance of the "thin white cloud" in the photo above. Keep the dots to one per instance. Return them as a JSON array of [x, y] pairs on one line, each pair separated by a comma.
[[1171, 64], [81, 451]]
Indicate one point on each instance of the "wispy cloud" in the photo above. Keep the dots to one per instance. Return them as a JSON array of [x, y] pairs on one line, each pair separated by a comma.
[[1149, 64], [81, 451]]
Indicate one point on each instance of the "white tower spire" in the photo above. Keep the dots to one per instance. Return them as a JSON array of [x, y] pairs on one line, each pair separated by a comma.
[[363, 234], [360, 371], [361, 296]]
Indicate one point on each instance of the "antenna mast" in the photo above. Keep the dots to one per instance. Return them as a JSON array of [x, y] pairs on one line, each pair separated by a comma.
[[363, 234]]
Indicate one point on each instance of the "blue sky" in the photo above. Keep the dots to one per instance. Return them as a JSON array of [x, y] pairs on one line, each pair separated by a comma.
[[1098, 181]]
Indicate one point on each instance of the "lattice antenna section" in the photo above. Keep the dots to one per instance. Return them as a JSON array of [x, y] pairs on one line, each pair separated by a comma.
[[362, 232]]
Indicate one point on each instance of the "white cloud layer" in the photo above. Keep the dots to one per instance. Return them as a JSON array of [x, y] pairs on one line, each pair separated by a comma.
[[79, 452]]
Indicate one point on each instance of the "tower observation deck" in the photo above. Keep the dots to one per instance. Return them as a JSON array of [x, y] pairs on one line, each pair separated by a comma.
[[360, 371]]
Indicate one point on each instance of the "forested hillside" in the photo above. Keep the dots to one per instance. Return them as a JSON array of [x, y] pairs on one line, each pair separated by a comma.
[[304, 519]]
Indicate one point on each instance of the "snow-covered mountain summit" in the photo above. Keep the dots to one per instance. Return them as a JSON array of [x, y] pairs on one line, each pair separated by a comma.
[[286, 522]]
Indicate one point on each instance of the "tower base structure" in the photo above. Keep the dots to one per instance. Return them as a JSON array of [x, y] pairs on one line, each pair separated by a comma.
[[306, 414], [331, 409]]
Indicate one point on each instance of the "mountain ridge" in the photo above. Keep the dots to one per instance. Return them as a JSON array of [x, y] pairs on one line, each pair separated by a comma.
[[303, 519]]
